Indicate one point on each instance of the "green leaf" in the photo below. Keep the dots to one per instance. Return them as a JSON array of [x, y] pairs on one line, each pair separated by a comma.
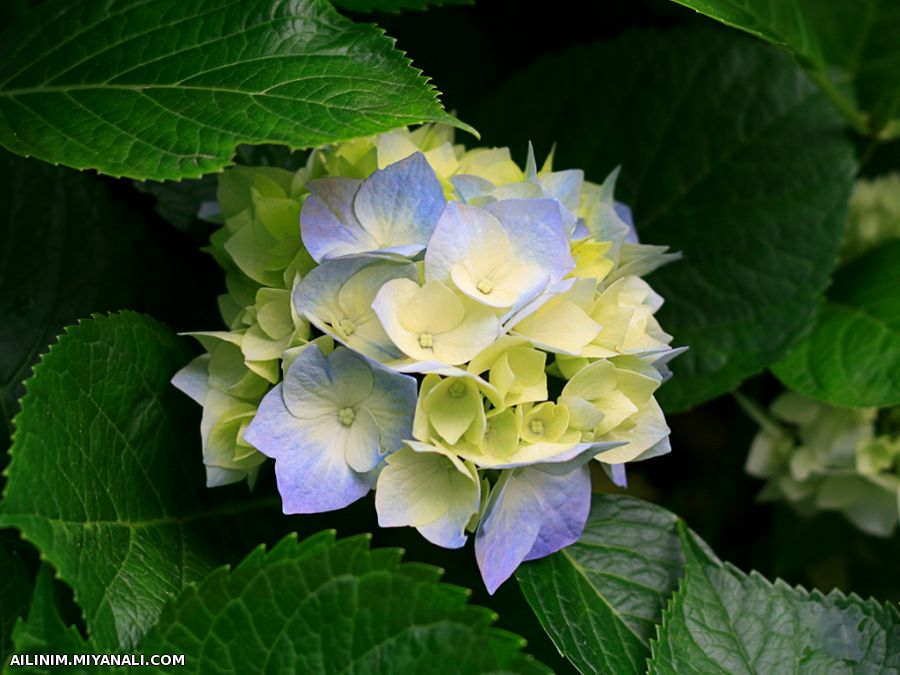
[[393, 6], [843, 44], [44, 631], [68, 250], [724, 621], [729, 154], [105, 474], [167, 88], [179, 202], [852, 356], [601, 598], [15, 586], [327, 606]]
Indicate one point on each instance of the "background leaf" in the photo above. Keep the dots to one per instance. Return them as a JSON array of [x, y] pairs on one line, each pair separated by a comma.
[[179, 203], [70, 246], [68, 250], [15, 586], [104, 476], [842, 43], [365, 6], [723, 621], [729, 154], [168, 88], [45, 631], [601, 598], [852, 356], [329, 606]]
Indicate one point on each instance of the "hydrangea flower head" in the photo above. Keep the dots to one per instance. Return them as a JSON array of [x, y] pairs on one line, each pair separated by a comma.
[[459, 333], [874, 215], [821, 457]]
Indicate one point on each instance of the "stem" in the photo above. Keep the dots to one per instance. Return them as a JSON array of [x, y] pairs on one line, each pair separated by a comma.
[[858, 120]]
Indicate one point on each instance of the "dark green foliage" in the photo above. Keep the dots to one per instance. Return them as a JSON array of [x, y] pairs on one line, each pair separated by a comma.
[[326, 606], [174, 101], [852, 356], [728, 154], [849, 47]]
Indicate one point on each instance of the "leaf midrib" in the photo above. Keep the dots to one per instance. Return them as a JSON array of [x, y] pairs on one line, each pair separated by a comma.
[[260, 503], [141, 88], [582, 571]]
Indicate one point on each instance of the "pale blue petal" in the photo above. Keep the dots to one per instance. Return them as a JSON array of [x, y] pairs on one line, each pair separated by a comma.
[[567, 502], [314, 385], [661, 361], [468, 187], [616, 473], [565, 186], [328, 226], [322, 297], [624, 212], [193, 379], [312, 477], [404, 250], [530, 514], [581, 231], [537, 233], [400, 205], [663, 447], [393, 405], [446, 533], [317, 293], [458, 236]]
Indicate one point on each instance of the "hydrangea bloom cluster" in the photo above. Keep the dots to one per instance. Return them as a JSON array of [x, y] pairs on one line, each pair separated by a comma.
[[460, 334], [874, 215], [818, 456]]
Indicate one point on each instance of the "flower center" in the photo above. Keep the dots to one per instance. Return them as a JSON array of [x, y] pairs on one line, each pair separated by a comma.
[[457, 389], [347, 326], [536, 427], [346, 416], [426, 340], [485, 286]]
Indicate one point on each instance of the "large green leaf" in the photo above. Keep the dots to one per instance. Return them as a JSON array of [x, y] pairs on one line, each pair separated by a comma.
[[326, 606], [105, 475], [852, 356], [68, 250], [724, 621], [167, 88], [729, 154], [45, 632], [601, 598], [391, 6], [15, 586], [843, 44]]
